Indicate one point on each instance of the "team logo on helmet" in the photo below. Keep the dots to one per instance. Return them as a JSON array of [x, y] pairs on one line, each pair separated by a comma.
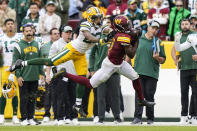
[[9, 89], [122, 24], [93, 13]]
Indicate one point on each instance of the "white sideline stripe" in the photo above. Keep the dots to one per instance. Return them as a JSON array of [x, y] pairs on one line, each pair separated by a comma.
[[90, 123]]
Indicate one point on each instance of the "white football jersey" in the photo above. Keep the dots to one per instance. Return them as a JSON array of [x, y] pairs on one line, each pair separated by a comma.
[[8, 44], [81, 44]]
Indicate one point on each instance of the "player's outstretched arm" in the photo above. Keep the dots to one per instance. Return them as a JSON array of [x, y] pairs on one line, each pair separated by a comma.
[[130, 50], [90, 37]]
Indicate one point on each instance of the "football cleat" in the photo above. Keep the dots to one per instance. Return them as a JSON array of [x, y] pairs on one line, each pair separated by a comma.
[[146, 103], [67, 121], [150, 122], [45, 119], [59, 74], [75, 122], [34, 122], [2, 119], [184, 120], [25, 123], [15, 120], [95, 119], [193, 120], [16, 65], [136, 121], [79, 110], [60, 122]]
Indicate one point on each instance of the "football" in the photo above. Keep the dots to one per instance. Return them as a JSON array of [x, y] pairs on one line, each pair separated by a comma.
[[135, 33]]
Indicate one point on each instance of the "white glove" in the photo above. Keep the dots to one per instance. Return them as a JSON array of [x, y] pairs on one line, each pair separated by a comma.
[[178, 36], [11, 77]]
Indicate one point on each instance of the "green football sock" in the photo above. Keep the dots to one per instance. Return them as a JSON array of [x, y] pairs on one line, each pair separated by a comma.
[[40, 61], [80, 90]]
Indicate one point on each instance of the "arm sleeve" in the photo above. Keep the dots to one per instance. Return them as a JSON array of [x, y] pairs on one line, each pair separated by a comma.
[[181, 47], [124, 40], [92, 58], [85, 26]]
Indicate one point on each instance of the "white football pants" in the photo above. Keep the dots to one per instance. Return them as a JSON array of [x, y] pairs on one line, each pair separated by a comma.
[[108, 68]]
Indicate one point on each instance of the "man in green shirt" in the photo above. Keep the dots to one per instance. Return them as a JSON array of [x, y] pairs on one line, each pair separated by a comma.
[[188, 71], [147, 62], [136, 16], [27, 77], [33, 17]]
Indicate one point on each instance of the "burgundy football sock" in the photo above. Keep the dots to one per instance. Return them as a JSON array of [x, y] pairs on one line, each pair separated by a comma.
[[138, 88], [79, 79]]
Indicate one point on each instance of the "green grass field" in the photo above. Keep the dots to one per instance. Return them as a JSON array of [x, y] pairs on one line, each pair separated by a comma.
[[98, 128]]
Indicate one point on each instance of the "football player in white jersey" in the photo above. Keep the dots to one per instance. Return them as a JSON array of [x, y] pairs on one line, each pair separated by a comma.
[[75, 50], [7, 43]]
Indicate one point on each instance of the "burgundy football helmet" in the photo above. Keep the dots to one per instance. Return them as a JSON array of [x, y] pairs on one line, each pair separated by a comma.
[[122, 24]]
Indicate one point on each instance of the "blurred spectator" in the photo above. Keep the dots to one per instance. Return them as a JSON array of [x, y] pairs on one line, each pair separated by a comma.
[[146, 5], [116, 8], [113, 1], [176, 15], [21, 9], [62, 7], [136, 16], [33, 16], [73, 11], [42, 10], [193, 6], [193, 21], [6, 12], [48, 21], [83, 5], [147, 64], [161, 14], [49, 98]]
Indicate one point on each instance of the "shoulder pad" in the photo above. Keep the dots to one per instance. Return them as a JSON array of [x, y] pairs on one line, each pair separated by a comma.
[[86, 24], [124, 39]]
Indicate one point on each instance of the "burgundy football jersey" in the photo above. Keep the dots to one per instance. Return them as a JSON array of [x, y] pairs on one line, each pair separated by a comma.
[[116, 51]]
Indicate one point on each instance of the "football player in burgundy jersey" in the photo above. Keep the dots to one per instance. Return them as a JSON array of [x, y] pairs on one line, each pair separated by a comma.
[[122, 44]]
